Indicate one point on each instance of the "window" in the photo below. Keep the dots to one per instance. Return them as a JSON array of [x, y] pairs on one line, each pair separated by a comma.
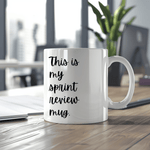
[[25, 28], [68, 22], [26, 23]]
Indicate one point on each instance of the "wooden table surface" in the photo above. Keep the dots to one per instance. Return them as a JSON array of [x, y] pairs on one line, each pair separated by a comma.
[[125, 129]]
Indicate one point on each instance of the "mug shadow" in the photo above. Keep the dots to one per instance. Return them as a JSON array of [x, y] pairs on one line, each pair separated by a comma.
[[128, 120]]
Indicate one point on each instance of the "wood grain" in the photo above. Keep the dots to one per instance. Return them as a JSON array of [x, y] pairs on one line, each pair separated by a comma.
[[125, 129], [143, 143]]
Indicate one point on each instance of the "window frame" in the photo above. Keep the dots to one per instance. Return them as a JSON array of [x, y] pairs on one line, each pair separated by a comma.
[[50, 19], [2, 41]]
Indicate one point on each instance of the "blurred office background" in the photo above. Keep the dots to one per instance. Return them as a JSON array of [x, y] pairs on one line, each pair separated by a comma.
[[25, 29], [141, 12], [27, 24]]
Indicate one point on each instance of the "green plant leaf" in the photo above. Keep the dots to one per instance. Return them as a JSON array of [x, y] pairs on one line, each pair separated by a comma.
[[114, 31], [107, 25], [111, 48], [108, 7], [105, 10], [107, 14], [125, 11], [111, 21], [99, 37], [98, 16], [108, 47], [90, 29], [95, 10], [117, 14], [117, 11], [102, 25], [114, 51], [97, 34], [131, 20], [123, 3]]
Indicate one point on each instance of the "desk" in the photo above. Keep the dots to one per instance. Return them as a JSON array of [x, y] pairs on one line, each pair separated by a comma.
[[14, 64], [125, 129]]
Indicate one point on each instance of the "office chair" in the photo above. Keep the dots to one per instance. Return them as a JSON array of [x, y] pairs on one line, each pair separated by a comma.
[[36, 75]]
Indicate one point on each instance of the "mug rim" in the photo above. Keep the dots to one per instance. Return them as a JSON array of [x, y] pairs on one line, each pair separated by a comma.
[[76, 49]]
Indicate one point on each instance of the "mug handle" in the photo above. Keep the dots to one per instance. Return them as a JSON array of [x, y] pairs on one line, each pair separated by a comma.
[[127, 99]]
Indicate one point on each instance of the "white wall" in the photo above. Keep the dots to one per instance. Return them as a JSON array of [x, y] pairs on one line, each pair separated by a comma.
[[142, 13]]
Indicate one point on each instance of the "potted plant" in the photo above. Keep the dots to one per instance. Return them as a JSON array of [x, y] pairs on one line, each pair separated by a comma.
[[109, 25]]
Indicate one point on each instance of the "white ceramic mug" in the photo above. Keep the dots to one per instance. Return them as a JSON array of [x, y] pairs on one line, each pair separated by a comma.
[[76, 85]]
